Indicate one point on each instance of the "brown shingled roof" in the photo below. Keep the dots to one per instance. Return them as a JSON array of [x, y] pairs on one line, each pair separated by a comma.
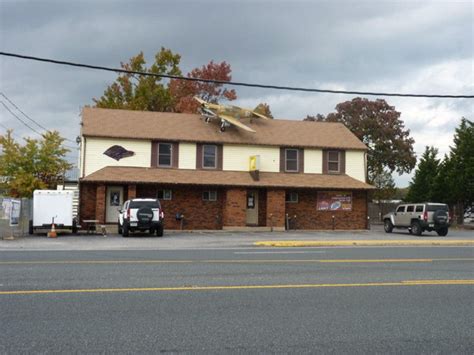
[[191, 128], [115, 174]]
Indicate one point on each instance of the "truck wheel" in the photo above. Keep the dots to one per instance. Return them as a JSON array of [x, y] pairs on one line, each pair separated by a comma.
[[416, 228], [442, 232], [30, 228], [159, 231], [125, 229], [388, 226], [119, 228]]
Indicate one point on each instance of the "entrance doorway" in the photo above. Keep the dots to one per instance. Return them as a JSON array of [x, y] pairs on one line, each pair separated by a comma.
[[114, 200], [252, 208]]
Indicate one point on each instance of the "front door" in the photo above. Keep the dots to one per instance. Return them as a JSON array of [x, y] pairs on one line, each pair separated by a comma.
[[252, 208], [113, 203]]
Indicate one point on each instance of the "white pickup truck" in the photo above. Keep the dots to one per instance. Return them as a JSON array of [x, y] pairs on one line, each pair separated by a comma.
[[52, 205]]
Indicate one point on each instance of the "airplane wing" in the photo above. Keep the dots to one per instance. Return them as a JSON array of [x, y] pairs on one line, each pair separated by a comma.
[[260, 115], [235, 122], [198, 99], [253, 112]]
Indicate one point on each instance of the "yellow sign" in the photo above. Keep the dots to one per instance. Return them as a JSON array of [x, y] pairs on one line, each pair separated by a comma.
[[254, 163]]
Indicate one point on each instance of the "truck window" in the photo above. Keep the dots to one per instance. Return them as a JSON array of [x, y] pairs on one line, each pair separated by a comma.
[[401, 209], [140, 204], [434, 208], [419, 208], [410, 208]]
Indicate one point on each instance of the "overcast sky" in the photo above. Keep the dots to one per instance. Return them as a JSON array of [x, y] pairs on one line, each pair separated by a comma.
[[404, 46]]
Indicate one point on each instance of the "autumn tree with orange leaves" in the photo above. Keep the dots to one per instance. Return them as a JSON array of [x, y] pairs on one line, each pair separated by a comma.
[[153, 93], [183, 91]]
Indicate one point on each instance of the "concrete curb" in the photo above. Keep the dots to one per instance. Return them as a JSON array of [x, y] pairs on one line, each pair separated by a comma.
[[326, 243]]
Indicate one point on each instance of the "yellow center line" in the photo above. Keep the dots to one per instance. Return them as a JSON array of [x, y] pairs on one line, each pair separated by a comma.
[[232, 261], [244, 287]]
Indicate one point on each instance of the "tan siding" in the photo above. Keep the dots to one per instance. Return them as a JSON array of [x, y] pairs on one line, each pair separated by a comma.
[[236, 157], [95, 159], [313, 161], [355, 165], [187, 156]]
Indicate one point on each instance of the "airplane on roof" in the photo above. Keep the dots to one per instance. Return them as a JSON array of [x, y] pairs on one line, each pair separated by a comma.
[[228, 115]]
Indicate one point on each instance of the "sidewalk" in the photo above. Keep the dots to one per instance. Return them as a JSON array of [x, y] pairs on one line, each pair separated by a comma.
[[229, 239]]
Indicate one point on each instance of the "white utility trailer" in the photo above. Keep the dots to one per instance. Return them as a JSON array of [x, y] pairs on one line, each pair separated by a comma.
[[53, 206]]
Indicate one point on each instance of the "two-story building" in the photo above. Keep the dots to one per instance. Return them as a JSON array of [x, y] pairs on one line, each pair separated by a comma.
[[311, 173]]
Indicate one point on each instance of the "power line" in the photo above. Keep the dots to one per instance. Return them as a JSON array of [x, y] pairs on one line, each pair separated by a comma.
[[19, 119], [28, 117], [27, 125], [234, 83]]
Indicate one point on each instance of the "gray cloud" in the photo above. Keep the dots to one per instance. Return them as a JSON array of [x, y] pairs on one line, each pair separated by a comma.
[[383, 45]]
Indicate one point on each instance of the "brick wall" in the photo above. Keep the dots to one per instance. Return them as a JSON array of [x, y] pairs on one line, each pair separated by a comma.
[[307, 217], [262, 207], [276, 208], [131, 191], [187, 200], [87, 202], [100, 203], [235, 205]]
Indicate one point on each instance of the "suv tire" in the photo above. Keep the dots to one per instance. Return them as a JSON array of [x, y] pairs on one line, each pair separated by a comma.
[[125, 230], [159, 231], [388, 226], [442, 232], [145, 215], [416, 228], [440, 217]]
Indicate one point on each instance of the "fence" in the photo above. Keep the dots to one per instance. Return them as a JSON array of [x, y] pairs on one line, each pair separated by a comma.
[[15, 215], [377, 211]]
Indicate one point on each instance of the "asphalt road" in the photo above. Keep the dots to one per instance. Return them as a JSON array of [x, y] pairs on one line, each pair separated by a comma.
[[257, 300]]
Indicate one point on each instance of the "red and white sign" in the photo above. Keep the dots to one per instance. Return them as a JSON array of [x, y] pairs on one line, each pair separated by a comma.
[[334, 201]]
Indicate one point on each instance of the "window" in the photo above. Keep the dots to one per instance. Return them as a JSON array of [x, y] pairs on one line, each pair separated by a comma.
[[164, 194], [164, 154], [401, 209], [209, 195], [209, 156], [291, 160], [410, 208], [333, 162], [291, 197], [419, 208]]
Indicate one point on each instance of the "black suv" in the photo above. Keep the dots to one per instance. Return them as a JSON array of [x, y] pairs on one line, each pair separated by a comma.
[[141, 214]]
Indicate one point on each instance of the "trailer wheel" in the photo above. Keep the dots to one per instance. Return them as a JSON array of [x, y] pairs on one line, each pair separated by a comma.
[[74, 227], [30, 227]]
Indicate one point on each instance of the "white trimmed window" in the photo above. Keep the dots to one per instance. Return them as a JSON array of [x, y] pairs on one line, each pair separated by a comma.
[[291, 197], [210, 195], [209, 156], [334, 161], [164, 195], [164, 154], [291, 160]]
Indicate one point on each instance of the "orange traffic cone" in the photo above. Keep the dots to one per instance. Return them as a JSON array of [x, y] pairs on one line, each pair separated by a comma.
[[52, 233]]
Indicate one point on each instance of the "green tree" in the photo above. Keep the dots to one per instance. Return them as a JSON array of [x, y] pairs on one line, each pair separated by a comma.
[[422, 186], [384, 189], [461, 167], [139, 92], [379, 126], [38, 164]]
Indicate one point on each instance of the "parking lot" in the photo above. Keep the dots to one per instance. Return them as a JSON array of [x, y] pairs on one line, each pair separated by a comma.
[[210, 239]]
